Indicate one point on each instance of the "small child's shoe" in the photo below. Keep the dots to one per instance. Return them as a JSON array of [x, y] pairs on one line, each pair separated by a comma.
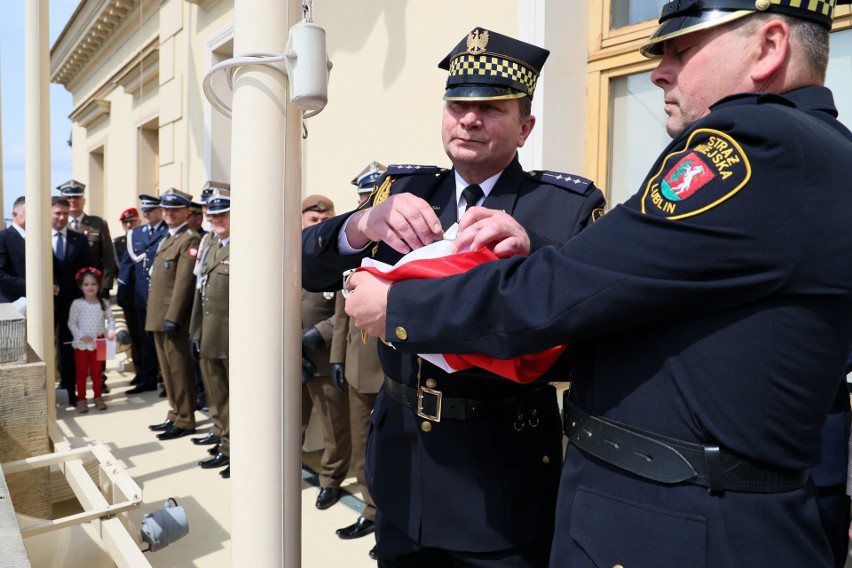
[[81, 407], [100, 404]]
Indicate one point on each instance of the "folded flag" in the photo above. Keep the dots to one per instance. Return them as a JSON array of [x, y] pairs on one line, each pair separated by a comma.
[[435, 261]]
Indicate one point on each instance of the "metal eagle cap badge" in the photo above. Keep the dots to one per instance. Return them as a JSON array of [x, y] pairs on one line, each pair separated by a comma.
[[477, 41]]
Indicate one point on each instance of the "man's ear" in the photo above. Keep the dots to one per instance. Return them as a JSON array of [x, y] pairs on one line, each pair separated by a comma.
[[774, 45]]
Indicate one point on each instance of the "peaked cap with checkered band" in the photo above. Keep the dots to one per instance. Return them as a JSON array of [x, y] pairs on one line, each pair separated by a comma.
[[486, 65], [681, 17]]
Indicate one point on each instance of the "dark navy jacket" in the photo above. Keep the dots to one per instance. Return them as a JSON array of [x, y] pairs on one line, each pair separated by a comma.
[[13, 265], [715, 306], [474, 485], [133, 275]]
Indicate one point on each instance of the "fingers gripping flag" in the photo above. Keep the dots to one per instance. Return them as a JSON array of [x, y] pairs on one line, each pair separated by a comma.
[[435, 261]]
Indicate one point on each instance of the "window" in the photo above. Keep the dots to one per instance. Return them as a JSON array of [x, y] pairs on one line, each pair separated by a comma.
[[626, 12]]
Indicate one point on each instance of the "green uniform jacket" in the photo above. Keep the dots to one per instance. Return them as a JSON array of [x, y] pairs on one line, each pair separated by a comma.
[[172, 280], [209, 321], [100, 246]]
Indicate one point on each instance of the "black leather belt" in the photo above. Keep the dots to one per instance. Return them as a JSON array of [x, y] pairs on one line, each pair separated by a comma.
[[667, 460], [433, 405]]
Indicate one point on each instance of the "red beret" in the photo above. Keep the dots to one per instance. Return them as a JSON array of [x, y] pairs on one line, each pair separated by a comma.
[[129, 213]]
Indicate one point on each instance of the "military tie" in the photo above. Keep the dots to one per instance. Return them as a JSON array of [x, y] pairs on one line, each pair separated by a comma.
[[471, 194], [60, 246], [74, 224]]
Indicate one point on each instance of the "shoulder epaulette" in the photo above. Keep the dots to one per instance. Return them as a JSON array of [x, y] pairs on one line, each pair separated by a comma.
[[411, 169], [572, 182]]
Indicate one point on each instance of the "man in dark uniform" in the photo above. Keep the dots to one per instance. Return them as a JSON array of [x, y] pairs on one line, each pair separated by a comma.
[[710, 316], [129, 220], [355, 361], [208, 329], [96, 231], [169, 310], [330, 398], [463, 467], [134, 278]]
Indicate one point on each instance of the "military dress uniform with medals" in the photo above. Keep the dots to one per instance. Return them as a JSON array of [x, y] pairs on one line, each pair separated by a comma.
[[170, 299], [97, 233], [476, 468], [710, 318], [134, 278], [209, 323]]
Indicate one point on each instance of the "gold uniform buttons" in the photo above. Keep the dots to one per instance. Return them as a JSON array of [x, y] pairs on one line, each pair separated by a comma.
[[426, 426], [545, 459], [319, 242], [401, 333], [431, 383]]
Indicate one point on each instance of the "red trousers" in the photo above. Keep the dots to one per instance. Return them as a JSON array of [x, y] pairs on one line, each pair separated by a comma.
[[87, 364]]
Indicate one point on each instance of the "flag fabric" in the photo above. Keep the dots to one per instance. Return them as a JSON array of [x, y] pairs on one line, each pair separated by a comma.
[[435, 261]]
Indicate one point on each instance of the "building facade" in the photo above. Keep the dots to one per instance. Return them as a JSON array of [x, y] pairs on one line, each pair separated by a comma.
[[141, 122]]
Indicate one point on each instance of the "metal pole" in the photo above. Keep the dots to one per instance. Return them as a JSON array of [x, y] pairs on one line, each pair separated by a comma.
[[39, 251], [265, 297]]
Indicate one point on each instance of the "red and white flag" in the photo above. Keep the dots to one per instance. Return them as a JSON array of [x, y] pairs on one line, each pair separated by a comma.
[[436, 261]]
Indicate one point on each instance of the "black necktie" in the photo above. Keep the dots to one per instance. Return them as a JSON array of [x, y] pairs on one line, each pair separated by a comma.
[[471, 194], [60, 246]]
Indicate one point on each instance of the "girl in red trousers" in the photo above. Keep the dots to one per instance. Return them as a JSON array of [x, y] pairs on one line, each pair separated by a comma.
[[89, 319]]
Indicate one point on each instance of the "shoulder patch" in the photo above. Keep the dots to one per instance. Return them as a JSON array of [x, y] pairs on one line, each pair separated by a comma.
[[411, 169], [572, 182], [709, 170]]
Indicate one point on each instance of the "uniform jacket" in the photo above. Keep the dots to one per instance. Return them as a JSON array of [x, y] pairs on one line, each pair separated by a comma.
[[715, 310], [119, 245], [318, 312], [100, 247], [362, 367], [210, 308], [134, 273], [172, 280], [13, 266], [475, 485]]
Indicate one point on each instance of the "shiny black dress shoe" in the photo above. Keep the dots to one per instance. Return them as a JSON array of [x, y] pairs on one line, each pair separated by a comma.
[[162, 427], [214, 450], [373, 554], [361, 527], [163, 392], [175, 432], [140, 388], [136, 380], [219, 460], [327, 497], [226, 473], [207, 440]]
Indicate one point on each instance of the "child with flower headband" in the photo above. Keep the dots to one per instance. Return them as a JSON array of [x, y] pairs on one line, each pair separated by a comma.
[[88, 319]]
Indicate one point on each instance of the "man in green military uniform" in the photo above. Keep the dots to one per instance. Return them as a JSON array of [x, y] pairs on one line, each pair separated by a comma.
[[169, 309], [208, 328], [329, 398]]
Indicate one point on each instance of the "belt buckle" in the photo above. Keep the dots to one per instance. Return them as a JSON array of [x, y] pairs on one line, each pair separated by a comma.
[[438, 395]]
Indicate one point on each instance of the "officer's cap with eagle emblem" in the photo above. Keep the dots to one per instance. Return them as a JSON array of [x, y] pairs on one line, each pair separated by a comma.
[[486, 65], [72, 188], [149, 202], [219, 202], [368, 176], [681, 17], [175, 199]]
